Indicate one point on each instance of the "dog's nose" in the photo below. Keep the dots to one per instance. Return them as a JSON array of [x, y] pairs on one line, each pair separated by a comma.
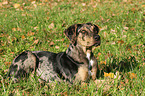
[[97, 37]]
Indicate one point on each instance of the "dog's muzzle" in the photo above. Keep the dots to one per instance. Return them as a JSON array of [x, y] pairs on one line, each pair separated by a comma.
[[97, 40]]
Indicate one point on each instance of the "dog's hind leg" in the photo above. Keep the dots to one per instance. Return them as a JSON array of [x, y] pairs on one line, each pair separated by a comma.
[[22, 65]]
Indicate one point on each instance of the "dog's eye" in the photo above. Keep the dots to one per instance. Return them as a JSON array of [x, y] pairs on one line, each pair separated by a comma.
[[84, 32]]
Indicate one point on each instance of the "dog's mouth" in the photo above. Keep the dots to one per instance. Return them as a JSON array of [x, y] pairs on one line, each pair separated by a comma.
[[97, 43]]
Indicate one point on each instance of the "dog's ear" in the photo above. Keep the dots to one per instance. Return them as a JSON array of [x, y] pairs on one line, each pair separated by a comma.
[[96, 29], [72, 32]]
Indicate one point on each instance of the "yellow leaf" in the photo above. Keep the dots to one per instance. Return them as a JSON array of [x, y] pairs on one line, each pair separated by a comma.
[[110, 75], [103, 62], [16, 5], [105, 74], [132, 75], [143, 6]]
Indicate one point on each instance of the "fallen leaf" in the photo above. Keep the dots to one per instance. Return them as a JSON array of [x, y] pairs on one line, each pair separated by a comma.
[[51, 43], [133, 9], [83, 4], [120, 41], [5, 2], [99, 53], [30, 33], [132, 75], [23, 37], [33, 2], [110, 75], [113, 42], [143, 6], [35, 27], [13, 29], [57, 47], [103, 62], [62, 39], [7, 63], [19, 29], [16, 5], [51, 26], [126, 28], [12, 52], [64, 94], [36, 41], [112, 30]]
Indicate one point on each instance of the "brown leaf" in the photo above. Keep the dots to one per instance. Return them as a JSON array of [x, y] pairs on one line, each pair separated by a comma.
[[64, 94], [99, 54], [19, 29], [30, 33], [120, 41], [133, 9], [13, 29], [7, 63], [23, 37], [132, 75], [62, 39], [51, 43], [36, 41]]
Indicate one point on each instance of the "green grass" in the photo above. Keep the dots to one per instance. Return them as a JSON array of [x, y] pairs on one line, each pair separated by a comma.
[[39, 26]]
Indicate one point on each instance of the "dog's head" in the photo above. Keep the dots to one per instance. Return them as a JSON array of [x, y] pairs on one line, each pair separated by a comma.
[[83, 34]]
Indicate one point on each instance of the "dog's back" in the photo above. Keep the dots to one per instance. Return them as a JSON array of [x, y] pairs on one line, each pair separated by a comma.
[[77, 63]]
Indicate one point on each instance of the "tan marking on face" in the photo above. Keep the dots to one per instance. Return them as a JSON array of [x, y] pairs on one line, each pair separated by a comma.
[[85, 40]]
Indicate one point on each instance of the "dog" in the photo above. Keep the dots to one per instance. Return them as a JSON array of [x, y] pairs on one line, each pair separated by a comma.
[[77, 63]]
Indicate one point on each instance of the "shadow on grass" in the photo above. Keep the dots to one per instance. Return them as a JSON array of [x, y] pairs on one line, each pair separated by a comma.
[[125, 65]]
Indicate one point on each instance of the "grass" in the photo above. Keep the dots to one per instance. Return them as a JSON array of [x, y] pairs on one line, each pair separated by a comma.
[[39, 25]]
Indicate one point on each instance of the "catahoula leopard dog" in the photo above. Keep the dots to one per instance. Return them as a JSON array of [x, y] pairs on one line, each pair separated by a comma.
[[77, 63]]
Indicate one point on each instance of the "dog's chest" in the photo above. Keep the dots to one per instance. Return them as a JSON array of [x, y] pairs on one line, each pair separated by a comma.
[[91, 62]]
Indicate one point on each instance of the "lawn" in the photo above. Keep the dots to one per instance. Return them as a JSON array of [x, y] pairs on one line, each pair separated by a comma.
[[39, 25]]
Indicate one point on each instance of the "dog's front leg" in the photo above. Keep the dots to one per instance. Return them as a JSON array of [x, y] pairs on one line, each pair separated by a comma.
[[82, 74], [94, 72]]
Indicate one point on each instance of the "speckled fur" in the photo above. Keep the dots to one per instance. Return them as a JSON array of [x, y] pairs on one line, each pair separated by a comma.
[[76, 64]]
